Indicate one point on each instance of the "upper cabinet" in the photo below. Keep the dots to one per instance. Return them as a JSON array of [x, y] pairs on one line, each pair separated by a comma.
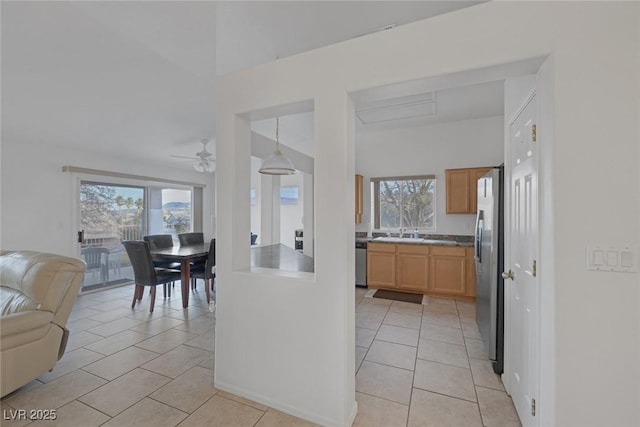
[[359, 201], [462, 187]]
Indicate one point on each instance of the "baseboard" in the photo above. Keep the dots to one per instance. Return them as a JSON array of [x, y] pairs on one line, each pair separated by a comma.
[[97, 288], [314, 418], [354, 413]]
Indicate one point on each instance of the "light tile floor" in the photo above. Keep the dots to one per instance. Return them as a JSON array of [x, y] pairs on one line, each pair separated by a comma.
[[425, 366], [128, 367]]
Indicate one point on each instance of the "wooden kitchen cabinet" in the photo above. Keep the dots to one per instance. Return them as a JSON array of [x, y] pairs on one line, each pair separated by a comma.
[[448, 268], [359, 199], [381, 265], [462, 189], [400, 267], [412, 268], [470, 290], [440, 271]]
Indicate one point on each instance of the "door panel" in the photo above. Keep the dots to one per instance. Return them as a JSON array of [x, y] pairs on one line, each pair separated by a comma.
[[413, 271], [109, 214], [523, 290], [448, 274], [381, 269], [458, 191]]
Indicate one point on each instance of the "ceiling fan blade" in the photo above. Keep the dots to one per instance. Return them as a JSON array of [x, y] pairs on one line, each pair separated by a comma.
[[201, 156], [208, 158], [184, 157]]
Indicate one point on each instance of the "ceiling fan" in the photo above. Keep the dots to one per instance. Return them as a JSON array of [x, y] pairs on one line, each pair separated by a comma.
[[203, 161]]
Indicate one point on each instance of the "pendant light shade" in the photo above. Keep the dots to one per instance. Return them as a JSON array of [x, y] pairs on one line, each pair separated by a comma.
[[277, 163]]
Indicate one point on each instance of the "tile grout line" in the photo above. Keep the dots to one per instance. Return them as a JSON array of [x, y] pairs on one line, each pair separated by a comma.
[[473, 381], [374, 337], [385, 399], [148, 395], [89, 406], [415, 363]]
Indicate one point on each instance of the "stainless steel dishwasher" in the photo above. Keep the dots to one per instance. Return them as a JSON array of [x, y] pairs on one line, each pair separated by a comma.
[[361, 263]]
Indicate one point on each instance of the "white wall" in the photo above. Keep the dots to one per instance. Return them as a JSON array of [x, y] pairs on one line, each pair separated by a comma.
[[291, 215], [429, 149], [264, 323], [256, 209], [37, 199]]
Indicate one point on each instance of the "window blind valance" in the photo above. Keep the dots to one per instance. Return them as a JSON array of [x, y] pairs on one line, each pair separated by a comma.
[[75, 169]]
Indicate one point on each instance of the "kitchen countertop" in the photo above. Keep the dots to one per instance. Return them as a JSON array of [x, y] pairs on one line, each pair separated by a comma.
[[410, 241], [280, 257]]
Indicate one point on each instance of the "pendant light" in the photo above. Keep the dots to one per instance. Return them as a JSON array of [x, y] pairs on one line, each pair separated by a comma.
[[277, 163]]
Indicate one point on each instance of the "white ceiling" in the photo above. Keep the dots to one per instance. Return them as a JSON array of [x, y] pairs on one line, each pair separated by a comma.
[[130, 79], [136, 79], [254, 32], [465, 102]]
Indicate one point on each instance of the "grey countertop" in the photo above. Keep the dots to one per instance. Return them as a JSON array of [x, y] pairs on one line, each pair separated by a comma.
[[280, 257], [409, 241]]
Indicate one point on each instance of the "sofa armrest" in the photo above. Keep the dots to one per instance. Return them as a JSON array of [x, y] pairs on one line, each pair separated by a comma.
[[24, 321]]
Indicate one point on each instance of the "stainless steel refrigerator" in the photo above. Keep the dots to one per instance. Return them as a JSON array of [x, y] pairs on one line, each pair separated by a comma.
[[489, 260]]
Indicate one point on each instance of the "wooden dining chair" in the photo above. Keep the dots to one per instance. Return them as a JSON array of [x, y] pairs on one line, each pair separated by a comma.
[[207, 272], [145, 272]]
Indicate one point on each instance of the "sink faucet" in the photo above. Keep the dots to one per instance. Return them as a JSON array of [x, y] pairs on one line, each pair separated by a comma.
[[401, 232]]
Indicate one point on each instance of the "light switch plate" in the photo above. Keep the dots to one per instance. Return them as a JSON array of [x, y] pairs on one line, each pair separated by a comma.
[[612, 258]]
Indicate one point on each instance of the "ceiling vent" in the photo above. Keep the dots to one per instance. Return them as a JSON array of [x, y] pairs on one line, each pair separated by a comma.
[[406, 107]]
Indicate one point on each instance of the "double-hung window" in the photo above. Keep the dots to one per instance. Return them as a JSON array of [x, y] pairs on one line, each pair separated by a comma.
[[407, 202]]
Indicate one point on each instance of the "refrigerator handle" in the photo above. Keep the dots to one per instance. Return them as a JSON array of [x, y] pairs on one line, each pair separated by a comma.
[[478, 242]]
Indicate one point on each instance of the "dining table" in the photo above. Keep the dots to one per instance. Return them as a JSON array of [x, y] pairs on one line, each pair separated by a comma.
[[184, 255]]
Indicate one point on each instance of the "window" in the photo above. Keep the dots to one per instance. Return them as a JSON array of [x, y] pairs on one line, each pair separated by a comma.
[[407, 202], [289, 195], [170, 211], [118, 209]]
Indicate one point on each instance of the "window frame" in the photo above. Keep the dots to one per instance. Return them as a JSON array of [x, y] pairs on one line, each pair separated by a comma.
[[375, 200], [79, 175]]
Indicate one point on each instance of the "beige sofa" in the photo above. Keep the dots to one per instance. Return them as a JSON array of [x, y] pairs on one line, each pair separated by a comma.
[[37, 292]]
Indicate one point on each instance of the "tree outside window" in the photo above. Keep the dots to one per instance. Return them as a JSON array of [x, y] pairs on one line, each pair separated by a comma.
[[404, 202], [107, 212]]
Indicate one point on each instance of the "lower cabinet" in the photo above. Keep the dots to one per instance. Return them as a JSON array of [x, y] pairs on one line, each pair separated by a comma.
[[413, 268], [428, 269], [381, 265], [448, 270]]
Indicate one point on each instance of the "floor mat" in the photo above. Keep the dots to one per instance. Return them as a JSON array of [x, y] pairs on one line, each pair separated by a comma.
[[398, 296]]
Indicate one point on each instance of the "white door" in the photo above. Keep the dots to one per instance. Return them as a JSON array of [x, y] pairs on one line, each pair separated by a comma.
[[523, 292]]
